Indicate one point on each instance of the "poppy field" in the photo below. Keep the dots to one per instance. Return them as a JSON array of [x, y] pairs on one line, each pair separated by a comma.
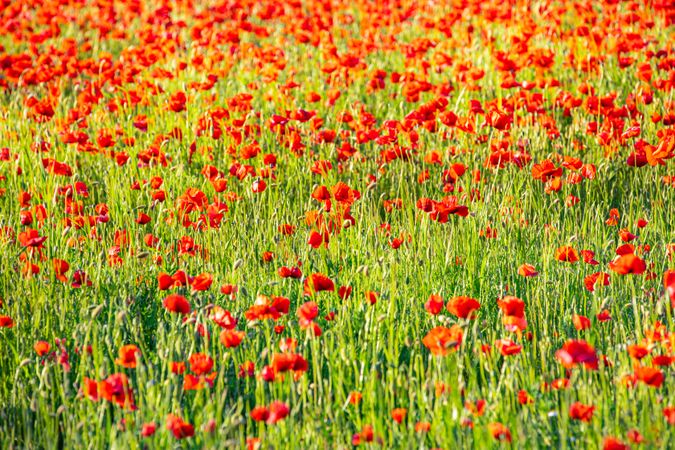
[[333, 224]]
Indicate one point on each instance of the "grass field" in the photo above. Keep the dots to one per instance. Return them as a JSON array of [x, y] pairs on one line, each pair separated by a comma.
[[326, 224]]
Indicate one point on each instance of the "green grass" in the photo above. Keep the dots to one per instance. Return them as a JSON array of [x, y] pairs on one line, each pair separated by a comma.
[[376, 350]]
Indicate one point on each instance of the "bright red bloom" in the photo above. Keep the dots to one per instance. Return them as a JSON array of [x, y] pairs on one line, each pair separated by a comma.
[[6, 322], [202, 282], [317, 282], [669, 414], [513, 309], [177, 304], [308, 312], [344, 292], [463, 307], [200, 364], [223, 318], [581, 322], [611, 443], [527, 270], [579, 411], [231, 338], [278, 411], [284, 362], [265, 309], [148, 429], [260, 413], [116, 389], [669, 284], [524, 398], [650, 376], [41, 348], [596, 279], [576, 352], [398, 414], [178, 368], [507, 347], [434, 305], [567, 254], [178, 427], [628, 264], [128, 355], [442, 341]]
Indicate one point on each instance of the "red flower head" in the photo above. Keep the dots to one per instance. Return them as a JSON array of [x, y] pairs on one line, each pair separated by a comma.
[[576, 352], [179, 427], [318, 282], [128, 356], [463, 307], [442, 341], [177, 304]]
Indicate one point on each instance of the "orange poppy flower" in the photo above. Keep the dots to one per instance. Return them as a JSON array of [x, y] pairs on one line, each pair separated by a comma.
[[442, 341], [41, 348], [231, 338], [398, 414], [128, 356], [628, 264], [202, 282], [499, 431], [527, 270], [200, 364], [650, 376], [567, 253], [581, 322]]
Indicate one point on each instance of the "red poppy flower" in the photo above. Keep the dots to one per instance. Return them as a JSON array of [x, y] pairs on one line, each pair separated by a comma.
[[200, 364], [507, 347], [579, 411], [41, 348], [527, 270], [260, 413], [513, 309], [177, 304], [612, 443], [128, 355], [6, 322], [231, 338], [499, 431], [178, 427], [442, 341], [581, 322], [398, 414], [463, 307], [669, 284], [567, 254], [116, 389], [628, 264], [576, 352], [202, 282], [434, 305], [596, 279], [650, 376], [178, 368], [317, 282], [277, 411]]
